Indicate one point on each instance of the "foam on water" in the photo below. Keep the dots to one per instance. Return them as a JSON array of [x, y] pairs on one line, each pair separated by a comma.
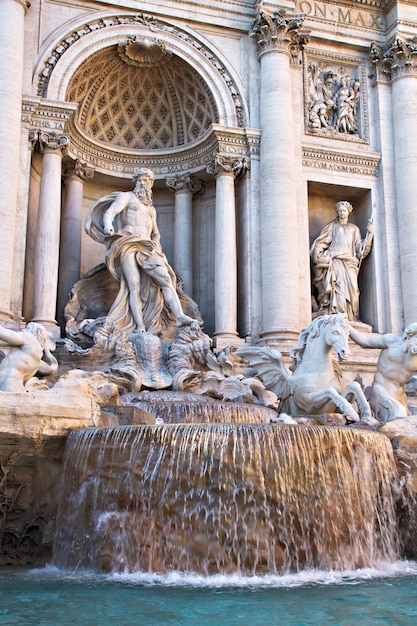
[[315, 577]]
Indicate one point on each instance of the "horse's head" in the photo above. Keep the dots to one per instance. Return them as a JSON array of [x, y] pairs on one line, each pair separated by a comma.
[[336, 333]]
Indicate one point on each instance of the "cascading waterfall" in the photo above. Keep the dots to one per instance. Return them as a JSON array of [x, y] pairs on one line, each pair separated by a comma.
[[225, 498]]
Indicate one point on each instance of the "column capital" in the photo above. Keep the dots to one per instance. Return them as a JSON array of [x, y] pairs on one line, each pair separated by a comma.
[[280, 31], [52, 141], [74, 168], [221, 164], [186, 182], [396, 58]]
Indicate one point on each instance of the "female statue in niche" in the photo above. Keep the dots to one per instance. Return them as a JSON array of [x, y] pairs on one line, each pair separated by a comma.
[[337, 254]]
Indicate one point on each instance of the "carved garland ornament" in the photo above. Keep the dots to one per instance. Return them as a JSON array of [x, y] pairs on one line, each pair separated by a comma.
[[154, 26]]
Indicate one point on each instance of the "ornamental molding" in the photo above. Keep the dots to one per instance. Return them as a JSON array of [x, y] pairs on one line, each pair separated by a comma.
[[327, 160], [171, 39], [191, 158], [279, 30], [394, 59]]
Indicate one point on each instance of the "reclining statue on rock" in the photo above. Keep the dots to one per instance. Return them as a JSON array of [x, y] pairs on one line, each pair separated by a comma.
[[30, 353], [315, 386], [396, 364]]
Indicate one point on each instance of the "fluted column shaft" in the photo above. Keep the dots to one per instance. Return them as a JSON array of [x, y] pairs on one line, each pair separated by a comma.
[[12, 14], [71, 231], [279, 239], [48, 233]]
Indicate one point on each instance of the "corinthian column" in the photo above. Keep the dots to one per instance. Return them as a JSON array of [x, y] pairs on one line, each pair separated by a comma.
[[278, 41], [184, 187], [48, 232], [225, 250], [12, 14], [75, 174], [396, 64]]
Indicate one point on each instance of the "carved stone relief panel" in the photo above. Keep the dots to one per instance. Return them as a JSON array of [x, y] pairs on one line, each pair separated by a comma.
[[335, 97]]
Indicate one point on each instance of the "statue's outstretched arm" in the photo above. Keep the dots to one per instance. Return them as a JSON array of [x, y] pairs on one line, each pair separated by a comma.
[[371, 341], [12, 337]]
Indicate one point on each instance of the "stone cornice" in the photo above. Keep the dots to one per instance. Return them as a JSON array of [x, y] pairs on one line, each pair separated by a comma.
[[331, 160], [191, 158], [47, 115], [279, 30], [394, 59]]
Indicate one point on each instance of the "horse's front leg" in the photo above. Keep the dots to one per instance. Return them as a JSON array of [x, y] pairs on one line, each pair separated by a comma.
[[318, 399], [353, 392]]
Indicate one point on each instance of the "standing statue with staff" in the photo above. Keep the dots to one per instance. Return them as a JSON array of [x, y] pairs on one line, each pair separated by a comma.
[[337, 255]]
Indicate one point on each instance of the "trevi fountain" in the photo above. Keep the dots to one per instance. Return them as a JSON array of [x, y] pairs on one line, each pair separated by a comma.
[[208, 316]]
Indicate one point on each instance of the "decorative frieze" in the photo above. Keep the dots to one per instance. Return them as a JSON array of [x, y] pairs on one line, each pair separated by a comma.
[[365, 17], [197, 156], [279, 30], [396, 58], [47, 115], [335, 97], [341, 162]]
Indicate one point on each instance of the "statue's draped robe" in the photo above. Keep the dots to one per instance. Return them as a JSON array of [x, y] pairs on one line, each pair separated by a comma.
[[337, 283], [148, 254]]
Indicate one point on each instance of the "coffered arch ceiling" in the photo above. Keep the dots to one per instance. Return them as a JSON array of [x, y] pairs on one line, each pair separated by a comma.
[[139, 96]]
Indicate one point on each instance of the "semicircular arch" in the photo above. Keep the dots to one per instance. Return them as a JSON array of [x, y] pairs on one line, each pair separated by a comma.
[[63, 56]]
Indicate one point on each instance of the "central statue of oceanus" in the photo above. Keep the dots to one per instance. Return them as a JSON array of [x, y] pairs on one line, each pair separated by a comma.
[[315, 386]]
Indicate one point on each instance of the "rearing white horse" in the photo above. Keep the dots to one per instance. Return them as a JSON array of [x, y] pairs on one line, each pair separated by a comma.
[[315, 386]]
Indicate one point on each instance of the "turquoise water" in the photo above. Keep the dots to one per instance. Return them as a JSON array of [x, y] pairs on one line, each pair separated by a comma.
[[49, 597]]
